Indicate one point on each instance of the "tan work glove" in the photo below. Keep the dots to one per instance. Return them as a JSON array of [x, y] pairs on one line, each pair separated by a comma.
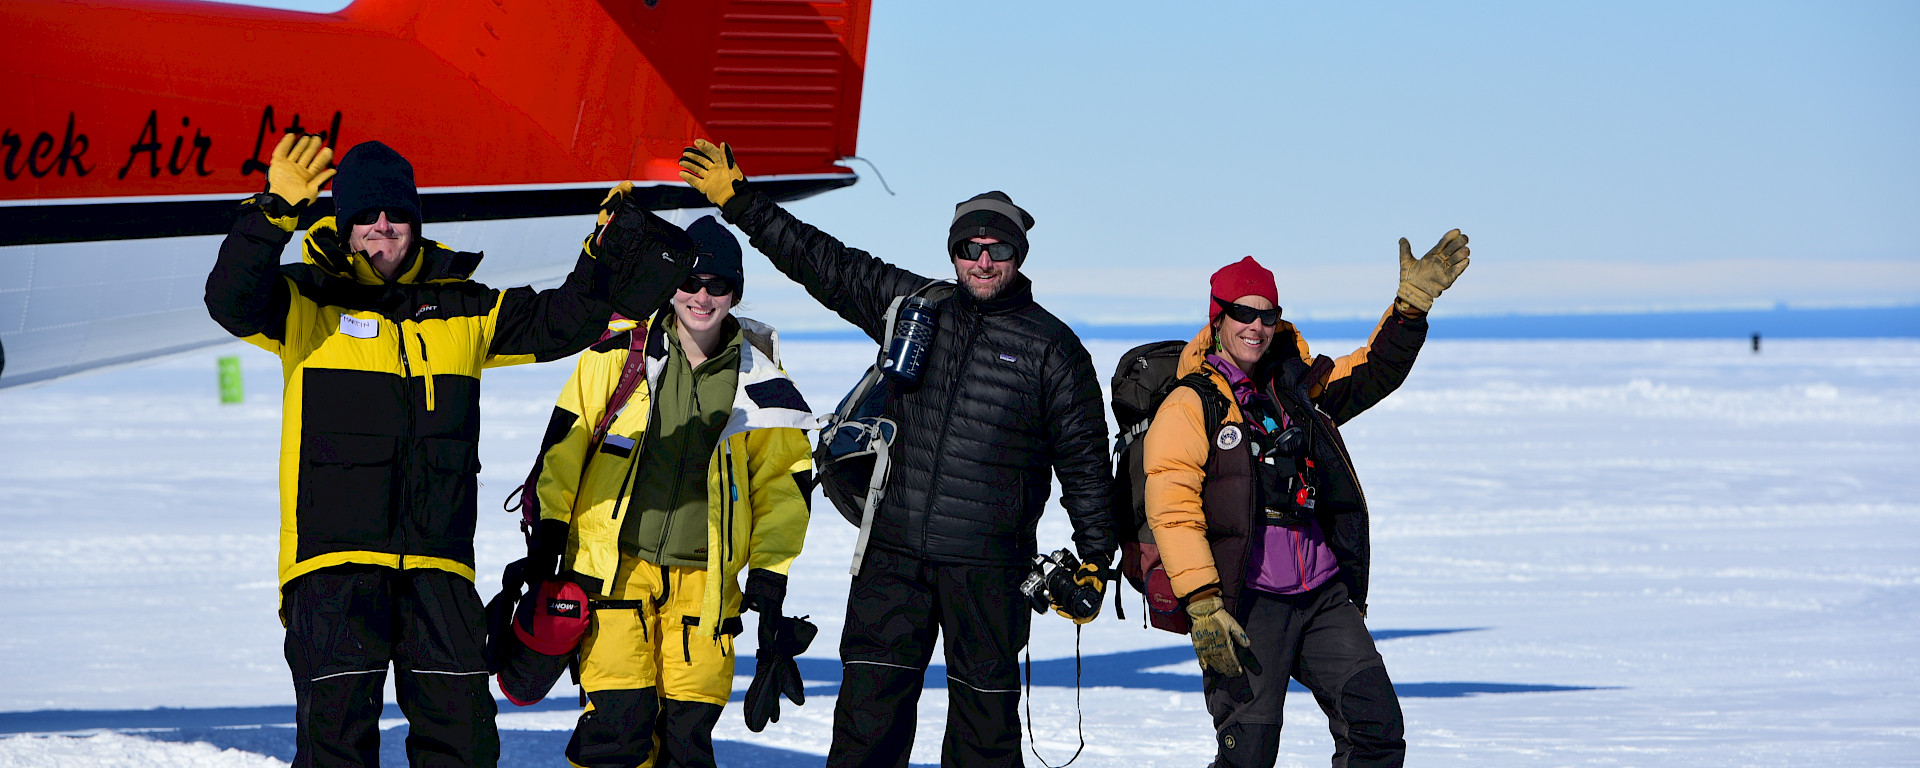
[[1215, 634], [299, 169], [1422, 281], [711, 170], [612, 201]]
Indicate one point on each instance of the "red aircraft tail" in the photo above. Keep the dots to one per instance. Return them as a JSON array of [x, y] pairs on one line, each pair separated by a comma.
[[147, 118]]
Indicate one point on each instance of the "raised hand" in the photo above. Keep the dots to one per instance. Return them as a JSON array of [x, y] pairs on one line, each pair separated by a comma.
[[1422, 280], [299, 168], [711, 170]]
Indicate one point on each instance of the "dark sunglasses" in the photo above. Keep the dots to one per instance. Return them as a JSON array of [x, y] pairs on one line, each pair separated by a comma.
[[394, 215], [997, 251], [716, 286], [1242, 313]]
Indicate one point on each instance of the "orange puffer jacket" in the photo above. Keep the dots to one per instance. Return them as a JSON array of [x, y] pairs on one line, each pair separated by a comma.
[[1326, 391]]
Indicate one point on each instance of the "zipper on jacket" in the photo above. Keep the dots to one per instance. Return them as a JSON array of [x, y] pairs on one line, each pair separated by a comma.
[[426, 366], [946, 419], [405, 497], [731, 502]]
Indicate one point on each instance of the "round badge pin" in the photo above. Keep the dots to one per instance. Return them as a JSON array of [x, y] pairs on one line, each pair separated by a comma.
[[1228, 439]]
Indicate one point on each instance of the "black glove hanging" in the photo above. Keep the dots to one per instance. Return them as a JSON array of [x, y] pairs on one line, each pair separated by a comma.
[[774, 671], [501, 642], [782, 639]]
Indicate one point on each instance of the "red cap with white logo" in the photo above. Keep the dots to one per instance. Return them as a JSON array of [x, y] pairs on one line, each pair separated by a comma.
[[553, 620]]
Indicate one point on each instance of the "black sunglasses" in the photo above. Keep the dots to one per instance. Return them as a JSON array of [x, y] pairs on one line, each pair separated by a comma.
[[997, 251], [716, 286], [1242, 313], [394, 215]]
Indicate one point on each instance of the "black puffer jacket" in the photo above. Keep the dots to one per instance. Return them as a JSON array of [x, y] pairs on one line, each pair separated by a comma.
[[1008, 391]]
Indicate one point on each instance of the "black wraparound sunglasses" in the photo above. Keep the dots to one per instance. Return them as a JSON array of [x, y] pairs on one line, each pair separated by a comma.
[[716, 286], [997, 251], [1242, 313], [394, 215]]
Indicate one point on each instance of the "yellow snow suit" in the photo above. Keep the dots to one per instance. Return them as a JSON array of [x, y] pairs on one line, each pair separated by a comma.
[[657, 661]]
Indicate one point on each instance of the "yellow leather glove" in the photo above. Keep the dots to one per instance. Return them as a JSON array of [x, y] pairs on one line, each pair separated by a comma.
[[612, 201], [711, 170], [1215, 634], [1089, 575], [1422, 281], [299, 168]]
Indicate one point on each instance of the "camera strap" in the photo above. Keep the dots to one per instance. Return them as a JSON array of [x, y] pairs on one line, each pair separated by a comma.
[[1079, 718]]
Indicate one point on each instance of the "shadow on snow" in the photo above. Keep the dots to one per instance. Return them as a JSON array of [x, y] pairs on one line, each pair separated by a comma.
[[267, 730]]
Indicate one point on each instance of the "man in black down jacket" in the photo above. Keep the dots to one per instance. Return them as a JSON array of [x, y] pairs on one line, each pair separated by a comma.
[[1008, 392]]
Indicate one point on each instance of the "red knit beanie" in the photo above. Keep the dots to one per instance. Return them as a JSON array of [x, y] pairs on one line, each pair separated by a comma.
[[1242, 278]]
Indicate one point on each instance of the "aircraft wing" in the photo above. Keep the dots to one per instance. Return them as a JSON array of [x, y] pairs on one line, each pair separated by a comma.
[[137, 125]]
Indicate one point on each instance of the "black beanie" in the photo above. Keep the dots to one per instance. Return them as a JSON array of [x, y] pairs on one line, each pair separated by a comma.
[[372, 175], [991, 214], [719, 251]]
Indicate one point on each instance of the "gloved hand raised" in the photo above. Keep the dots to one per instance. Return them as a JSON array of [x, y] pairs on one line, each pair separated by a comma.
[[1215, 633], [648, 256], [299, 169], [711, 170], [614, 197], [1422, 280]]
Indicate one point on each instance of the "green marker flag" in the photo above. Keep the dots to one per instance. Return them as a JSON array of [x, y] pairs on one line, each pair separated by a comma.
[[230, 389]]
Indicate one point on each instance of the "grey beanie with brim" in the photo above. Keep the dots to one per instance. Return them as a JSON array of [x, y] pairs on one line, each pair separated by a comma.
[[990, 214]]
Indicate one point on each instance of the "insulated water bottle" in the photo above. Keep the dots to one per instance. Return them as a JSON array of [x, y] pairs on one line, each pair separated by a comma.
[[912, 337]]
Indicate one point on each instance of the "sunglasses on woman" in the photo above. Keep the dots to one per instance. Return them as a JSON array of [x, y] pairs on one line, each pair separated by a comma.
[[1244, 314], [716, 286], [970, 251]]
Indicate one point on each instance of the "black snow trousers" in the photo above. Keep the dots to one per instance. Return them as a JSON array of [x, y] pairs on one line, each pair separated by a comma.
[[346, 624], [897, 607], [1319, 639]]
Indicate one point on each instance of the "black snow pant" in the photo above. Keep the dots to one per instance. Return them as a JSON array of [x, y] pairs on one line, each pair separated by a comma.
[[1320, 639], [346, 624], [896, 609]]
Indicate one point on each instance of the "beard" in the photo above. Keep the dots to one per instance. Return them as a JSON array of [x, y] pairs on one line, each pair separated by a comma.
[[1003, 279]]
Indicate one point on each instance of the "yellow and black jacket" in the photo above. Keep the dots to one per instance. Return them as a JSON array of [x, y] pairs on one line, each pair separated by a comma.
[[758, 476], [378, 447]]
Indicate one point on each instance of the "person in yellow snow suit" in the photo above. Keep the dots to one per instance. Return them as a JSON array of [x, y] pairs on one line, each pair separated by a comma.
[[382, 336], [656, 508]]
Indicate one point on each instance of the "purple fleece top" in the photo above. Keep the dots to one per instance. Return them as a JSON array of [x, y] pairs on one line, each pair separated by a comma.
[[1285, 561]]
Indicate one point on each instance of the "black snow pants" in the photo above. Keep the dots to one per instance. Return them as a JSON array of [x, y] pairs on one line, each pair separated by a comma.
[[896, 609], [1320, 639], [346, 624]]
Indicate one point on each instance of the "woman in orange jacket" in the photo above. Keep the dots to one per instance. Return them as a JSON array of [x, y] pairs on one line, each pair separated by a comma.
[[1260, 520]]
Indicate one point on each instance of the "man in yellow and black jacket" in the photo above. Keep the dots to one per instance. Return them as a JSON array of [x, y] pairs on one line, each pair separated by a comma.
[[701, 474], [382, 337]]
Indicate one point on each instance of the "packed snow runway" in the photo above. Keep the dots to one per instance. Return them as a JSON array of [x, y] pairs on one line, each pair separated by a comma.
[[1585, 554]]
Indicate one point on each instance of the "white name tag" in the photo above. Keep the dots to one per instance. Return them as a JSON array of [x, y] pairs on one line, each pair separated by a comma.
[[358, 328]]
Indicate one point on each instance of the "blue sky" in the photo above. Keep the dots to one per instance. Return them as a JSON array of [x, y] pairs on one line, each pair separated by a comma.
[[1610, 157]]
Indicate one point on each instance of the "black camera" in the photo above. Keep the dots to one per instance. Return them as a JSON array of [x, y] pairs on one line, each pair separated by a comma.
[[1051, 583], [1288, 494]]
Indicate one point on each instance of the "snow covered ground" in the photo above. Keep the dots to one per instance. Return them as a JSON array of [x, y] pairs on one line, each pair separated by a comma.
[[1586, 553]]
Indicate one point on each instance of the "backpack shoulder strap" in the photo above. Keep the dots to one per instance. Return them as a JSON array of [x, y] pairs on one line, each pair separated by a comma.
[[1213, 405], [631, 375]]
